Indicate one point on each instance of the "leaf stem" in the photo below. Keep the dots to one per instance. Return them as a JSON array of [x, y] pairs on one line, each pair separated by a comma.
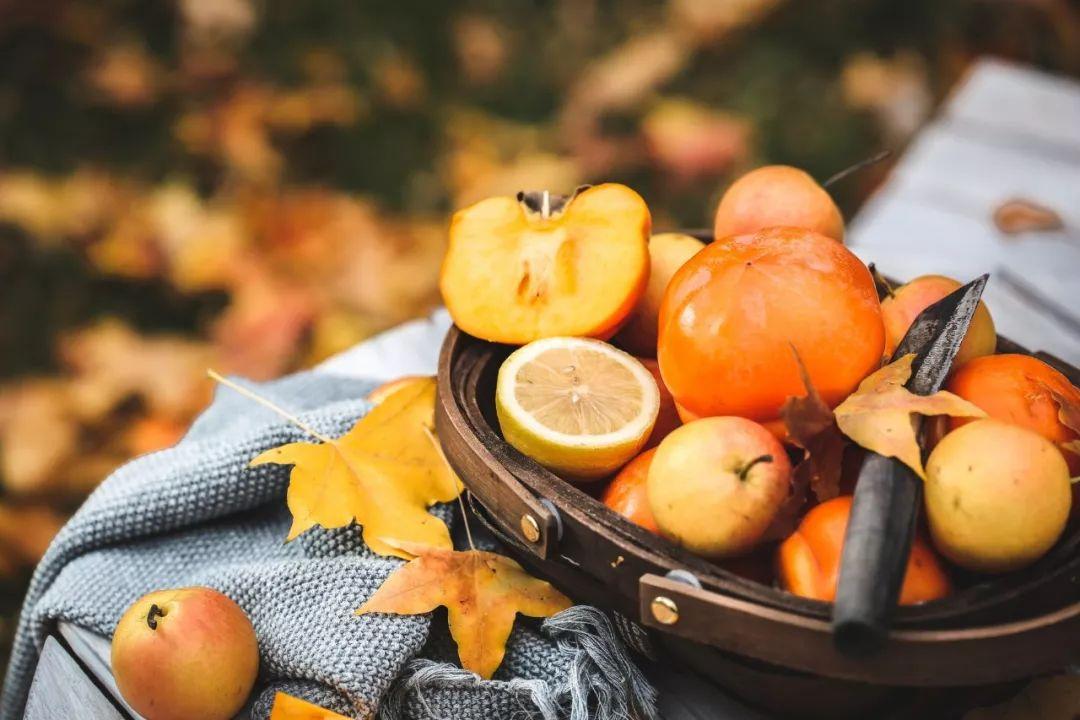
[[872, 160], [218, 378], [464, 512]]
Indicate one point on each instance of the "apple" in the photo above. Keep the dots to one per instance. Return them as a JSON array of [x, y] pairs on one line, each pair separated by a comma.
[[904, 304], [716, 484], [668, 417], [667, 253], [777, 195], [997, 496], [185, 654]]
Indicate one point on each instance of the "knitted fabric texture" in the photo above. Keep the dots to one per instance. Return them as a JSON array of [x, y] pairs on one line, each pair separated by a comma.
[[196, 514]]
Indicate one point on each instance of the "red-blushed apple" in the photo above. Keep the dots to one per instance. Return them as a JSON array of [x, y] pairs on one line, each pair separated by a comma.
[[777, 195], [904, 304], [185, 654], [716, 484], [668, 417], [667, 253]]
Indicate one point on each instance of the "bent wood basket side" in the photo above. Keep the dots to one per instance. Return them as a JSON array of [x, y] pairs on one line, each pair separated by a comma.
[[1027, 621]]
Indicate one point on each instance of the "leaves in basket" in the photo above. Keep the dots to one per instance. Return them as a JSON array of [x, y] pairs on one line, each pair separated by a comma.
[[287, 707], [384, 473], [1068, 414], [812, 426], [481, 591], [877, 416]]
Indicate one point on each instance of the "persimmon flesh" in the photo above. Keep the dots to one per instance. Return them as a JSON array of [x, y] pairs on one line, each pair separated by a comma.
[[733, 314], [517, 271]]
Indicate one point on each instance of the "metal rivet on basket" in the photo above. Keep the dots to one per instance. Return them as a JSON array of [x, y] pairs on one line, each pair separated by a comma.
[[664, 610], [530, 528]]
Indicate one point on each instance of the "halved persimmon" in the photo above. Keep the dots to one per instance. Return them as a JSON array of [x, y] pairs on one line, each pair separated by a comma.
[[539, 266]]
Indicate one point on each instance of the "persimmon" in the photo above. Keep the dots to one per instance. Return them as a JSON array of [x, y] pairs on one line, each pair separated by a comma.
[[517, 270], [903, 304], [734, 313], [777, 195], [1019, 389], [808, 562], [627, 494]]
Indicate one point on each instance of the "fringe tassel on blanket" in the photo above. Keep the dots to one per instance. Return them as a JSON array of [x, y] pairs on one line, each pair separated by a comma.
[[603, 683]]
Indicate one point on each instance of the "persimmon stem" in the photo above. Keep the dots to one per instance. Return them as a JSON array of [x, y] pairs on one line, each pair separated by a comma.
[[880, 280], [152, 615], [872, 160], [745, 471], [218, 378], [461, 503]]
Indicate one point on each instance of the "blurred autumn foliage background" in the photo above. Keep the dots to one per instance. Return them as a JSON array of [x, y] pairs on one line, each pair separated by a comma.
[[255, 185]]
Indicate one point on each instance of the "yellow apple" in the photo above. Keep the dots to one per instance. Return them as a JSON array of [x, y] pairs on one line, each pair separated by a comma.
[[185, 654]]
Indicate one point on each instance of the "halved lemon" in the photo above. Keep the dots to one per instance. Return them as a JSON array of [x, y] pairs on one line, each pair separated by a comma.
[[579, 407]]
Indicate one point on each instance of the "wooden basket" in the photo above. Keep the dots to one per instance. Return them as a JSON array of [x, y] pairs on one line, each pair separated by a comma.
[[765, 644]]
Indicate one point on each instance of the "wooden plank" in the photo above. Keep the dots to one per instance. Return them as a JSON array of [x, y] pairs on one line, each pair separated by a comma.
[[1021, 102], [62, 691], [94, 652]]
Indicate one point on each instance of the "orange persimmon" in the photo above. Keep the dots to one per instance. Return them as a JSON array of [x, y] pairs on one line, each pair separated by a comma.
[[733, 314], [1019, 389], [517, 270], [627, 494], [808, 562]]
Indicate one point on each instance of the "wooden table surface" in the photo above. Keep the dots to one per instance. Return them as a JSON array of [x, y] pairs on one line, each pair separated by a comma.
[[1006, 132]]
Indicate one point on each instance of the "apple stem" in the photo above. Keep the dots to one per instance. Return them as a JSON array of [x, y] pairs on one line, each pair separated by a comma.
[[153, 615], [872, 160], [746, 468]]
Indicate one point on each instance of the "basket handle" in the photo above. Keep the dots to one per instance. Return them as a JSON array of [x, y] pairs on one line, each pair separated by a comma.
[[517, 511], [969, 656]]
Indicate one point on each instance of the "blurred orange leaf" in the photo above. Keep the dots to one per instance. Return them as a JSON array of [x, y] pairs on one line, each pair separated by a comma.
[[26, 531], [1020, 215], [287, 707], [384, 474], [482, 592], [878, 416]]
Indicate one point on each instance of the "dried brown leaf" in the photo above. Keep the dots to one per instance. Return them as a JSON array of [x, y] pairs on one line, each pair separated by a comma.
[[878, 416], [812, 426], [1020, 215]]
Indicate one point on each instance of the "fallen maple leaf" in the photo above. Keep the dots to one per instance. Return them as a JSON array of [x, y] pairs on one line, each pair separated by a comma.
[[877, 416], [1068, 414], [1020, 215], [384, 473], [812, 426], [481, 591], [287, 707]]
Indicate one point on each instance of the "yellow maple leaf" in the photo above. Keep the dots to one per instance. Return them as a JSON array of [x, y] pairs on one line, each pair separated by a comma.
[[481, 591], [384, 473], [877, 416], [287, 707]]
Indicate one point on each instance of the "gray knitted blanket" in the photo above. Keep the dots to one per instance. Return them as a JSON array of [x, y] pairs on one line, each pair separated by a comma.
[[196, 514]]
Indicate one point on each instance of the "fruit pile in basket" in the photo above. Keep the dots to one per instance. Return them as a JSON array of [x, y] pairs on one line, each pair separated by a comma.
[[724, 395]]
